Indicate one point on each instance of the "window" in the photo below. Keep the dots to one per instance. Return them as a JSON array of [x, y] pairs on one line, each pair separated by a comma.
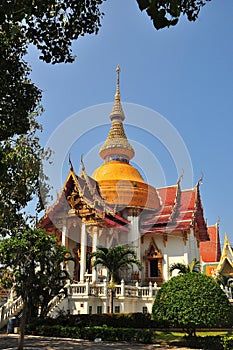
[[144, 310], [154, 270], [90, 310], [99, 309], [117, 309]]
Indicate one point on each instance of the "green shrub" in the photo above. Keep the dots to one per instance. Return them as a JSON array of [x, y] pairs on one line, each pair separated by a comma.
[[105, 333], [130, 320], [192, 301], [217, 342]]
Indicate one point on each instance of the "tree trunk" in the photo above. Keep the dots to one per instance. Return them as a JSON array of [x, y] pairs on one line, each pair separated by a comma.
[[22, 327]]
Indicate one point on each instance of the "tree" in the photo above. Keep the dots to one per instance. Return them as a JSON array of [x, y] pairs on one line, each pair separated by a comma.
[[194, 266], [35, 262], [19, 96], [192, 301], [20, 177], [51, 25], [115, 259]]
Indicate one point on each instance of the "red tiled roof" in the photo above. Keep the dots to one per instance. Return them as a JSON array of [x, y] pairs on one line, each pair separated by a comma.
[[180, 210], [210, 251], [168, 196]]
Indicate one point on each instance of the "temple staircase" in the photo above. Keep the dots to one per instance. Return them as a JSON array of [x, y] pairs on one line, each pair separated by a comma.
[[10, 309]]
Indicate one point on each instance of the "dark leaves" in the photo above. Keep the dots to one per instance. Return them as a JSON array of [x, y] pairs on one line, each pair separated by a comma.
[[166, 13], [52, 25], [18, 95]]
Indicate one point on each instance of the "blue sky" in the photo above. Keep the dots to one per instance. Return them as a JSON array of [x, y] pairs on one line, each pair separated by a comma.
[[185, 73]]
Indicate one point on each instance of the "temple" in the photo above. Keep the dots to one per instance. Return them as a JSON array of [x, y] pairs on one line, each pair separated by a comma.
[[115, 206]]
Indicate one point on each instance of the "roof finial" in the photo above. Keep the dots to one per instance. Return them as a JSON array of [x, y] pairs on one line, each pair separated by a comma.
[[201, 179], [82, 162], [118, 95], [71, 165], [180, 177]]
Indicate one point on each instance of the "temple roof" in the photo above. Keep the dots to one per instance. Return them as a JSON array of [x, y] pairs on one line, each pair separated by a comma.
[[225, 266], [180, 210], [80, 196], [210, 251]]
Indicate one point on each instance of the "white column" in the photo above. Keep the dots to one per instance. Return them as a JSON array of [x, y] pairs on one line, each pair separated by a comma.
[[94, 247], [134, 240], [165, 267], [134, 234], [122, 288], [63, 236], [83, 252]]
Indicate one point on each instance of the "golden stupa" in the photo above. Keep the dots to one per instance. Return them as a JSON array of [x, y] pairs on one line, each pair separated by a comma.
[[119, 182]]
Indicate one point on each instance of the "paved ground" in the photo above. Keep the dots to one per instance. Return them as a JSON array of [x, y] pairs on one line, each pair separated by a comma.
[[9, 342]]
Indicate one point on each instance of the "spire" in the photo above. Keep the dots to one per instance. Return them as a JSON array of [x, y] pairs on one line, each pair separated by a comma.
[[116, 146], [117, 110]]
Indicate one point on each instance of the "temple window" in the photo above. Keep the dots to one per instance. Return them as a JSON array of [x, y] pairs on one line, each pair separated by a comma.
[[117, 309], [153, 263], [154, 269], [99, 309]]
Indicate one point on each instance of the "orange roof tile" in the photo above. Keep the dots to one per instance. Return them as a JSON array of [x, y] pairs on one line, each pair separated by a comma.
[[210, 251]]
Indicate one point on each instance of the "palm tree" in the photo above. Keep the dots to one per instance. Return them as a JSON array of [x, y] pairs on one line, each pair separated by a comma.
[[115, 259], [194, 266]]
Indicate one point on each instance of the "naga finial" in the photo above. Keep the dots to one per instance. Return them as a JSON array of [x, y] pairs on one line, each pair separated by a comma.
[[118, 95]]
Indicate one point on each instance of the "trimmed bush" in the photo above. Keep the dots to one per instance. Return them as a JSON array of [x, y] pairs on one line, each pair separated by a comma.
[[192, 301], [105, 333], [130, 320]]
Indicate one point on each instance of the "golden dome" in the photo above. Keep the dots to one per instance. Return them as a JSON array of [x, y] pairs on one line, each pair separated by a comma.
[[121, 184], [116, 170]]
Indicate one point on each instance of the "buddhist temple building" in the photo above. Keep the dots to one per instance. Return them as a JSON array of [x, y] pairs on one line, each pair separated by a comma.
[[115, 206]]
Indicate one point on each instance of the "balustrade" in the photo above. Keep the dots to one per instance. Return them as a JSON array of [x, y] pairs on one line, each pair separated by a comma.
[[122, 290]]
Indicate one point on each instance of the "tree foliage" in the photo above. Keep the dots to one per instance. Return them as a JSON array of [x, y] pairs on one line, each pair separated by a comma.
[[194, 266], [191, 301], [20, 178], [166, 13], [19, 96], [115, 259], [51, 25], [32, 260]]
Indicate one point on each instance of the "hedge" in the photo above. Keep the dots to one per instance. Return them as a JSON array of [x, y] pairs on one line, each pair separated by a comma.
[[145, 336]]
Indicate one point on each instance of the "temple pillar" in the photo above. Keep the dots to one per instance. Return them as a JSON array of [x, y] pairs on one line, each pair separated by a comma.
[[166, 275], [134, 234], [94, 247], [63, 236], [83, 252]]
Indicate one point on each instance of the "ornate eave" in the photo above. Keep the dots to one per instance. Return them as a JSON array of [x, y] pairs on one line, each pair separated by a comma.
[[80, 197]]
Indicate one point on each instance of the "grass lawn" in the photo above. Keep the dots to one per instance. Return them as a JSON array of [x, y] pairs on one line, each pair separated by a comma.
[[171, 337]]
